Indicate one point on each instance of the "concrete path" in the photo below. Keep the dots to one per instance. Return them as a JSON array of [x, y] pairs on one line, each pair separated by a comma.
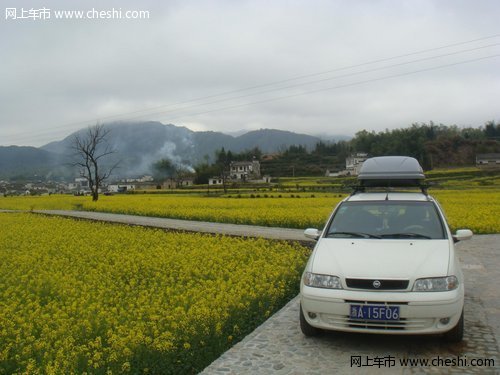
[[186, 225]]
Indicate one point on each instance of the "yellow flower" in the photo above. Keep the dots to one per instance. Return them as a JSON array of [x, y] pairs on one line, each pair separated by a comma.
[[137, 300]]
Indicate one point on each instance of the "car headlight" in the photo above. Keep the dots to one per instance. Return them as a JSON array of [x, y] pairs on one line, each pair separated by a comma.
[[322, 281], [436, 284]]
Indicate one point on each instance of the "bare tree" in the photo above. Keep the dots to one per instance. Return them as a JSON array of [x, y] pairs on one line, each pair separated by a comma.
[[89, 150], [181, 172], [223, 163]]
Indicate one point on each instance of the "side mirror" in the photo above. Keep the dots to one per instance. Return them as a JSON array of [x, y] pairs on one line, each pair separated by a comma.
[[312, 233], [462, 235]]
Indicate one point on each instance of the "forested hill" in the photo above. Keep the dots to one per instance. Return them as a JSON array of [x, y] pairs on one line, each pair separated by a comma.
[[433, 145]]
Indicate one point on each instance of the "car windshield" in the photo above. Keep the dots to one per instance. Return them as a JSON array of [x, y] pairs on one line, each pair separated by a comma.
[[386, 219]]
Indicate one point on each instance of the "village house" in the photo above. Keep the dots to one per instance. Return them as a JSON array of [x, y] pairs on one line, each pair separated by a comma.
[[145, 178], [245, 170], [120, 188], [242, 171], [80, 185], [488, 160], [173, 183], [215, 180], [354, 162]]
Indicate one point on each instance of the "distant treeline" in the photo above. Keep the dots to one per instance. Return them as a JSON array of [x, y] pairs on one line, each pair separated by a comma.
[[433, 145]]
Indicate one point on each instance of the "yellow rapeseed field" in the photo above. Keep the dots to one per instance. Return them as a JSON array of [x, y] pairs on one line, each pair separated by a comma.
[[476, 209], [277, 212], [81, 297]]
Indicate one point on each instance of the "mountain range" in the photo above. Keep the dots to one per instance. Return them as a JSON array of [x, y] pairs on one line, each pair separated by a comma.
[[138, 145]]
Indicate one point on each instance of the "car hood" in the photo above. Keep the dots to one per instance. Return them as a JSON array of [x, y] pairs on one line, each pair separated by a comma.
[[369, 258]]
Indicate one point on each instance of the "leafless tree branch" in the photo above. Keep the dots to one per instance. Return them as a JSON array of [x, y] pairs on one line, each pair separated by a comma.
[[89, 149]]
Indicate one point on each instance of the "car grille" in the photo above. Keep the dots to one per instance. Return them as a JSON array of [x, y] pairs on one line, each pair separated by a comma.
[[344, 321], [383, 284], [399, 325], [356, 302]]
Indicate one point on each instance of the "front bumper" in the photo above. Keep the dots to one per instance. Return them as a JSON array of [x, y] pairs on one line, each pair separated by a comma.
[[420, 312]]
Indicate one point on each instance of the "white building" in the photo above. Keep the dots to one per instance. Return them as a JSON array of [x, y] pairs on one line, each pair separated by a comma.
[[120, 188], [215, 181], [354, 162], [145, 178], [81, 184], [245, 170], [488, 160]]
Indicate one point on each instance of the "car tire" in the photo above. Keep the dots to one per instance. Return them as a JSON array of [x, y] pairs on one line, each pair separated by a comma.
[[456, 334], [305, 327]]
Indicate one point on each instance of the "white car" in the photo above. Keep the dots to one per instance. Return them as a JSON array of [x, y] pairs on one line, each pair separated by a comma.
[[385, 261]]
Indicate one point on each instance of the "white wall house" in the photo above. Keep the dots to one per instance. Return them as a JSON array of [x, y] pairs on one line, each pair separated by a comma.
[[145, 178], [215, 181], [120, 188], [245, 170], [488, 160], [81, 185], [354, 162]]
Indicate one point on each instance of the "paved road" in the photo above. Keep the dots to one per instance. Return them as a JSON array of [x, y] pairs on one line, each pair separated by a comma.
[[186, 225], [278, 346]]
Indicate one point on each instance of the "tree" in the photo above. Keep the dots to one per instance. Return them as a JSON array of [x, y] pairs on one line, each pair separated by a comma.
[[180, 173], [223, 162], [162, 169], [492, 130], [204, 172], [89, 150], [165, 168]]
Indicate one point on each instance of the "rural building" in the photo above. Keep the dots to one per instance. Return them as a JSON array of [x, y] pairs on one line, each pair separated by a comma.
[[120, 188], [172, 183], [81, 185], [488, 160], [354, 162], [328, 173], [145, 178], [245, 170], [266, 179], [215, 181]]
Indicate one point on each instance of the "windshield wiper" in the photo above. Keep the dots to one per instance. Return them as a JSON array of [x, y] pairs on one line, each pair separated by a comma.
[[406, 235], [355, 234]]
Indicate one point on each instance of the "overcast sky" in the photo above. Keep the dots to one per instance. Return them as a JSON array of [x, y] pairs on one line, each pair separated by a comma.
[[316, 67]]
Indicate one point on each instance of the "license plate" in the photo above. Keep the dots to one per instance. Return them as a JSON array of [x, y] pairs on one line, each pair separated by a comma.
[[374, 312]]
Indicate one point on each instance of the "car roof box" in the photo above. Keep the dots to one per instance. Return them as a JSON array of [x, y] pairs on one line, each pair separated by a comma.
[[385, 171]]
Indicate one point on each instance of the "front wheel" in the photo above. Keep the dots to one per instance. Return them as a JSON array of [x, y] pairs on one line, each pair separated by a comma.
[[456, 334], [305, 327]]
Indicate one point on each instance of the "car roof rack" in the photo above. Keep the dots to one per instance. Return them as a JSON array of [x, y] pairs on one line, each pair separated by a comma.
[[390, 172]]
